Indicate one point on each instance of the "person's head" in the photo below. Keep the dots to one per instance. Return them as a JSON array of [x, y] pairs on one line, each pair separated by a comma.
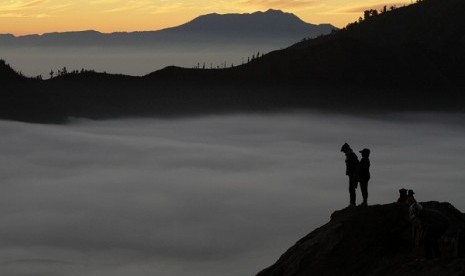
[[346, 148], [410, 193], [403, 192], [365, 152]]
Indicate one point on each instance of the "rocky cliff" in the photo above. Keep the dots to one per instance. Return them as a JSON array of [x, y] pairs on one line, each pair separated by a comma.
[[373, 240]]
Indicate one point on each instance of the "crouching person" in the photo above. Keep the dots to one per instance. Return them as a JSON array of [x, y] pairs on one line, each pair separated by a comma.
[[429, 226]]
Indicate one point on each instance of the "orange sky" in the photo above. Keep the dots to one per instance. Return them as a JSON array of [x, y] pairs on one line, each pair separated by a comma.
[[21, 17]]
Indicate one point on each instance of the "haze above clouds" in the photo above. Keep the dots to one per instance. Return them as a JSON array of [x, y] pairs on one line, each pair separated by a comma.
[[206, 196], [126, 60]]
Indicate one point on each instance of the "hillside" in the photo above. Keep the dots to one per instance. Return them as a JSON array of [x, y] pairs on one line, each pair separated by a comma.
[[272, 26], [8, 74], [408, 59], [373, 240], [419, 45]]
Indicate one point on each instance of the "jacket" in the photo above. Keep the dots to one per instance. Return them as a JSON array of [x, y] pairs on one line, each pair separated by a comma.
[[352, 164], [364, 169]]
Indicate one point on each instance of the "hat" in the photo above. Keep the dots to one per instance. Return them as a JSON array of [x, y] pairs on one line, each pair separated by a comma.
[[363, 151], [345, 147], [411, 192]]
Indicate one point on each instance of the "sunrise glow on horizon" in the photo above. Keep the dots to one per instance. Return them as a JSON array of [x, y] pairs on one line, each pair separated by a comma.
[[21, 17]]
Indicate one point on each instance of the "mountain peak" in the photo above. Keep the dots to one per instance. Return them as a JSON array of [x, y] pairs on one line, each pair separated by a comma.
[[257, 23], [273, 11], [373, 240], [269, 11], [241, 16]]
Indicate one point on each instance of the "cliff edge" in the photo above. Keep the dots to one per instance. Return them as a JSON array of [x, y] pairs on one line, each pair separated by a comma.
[[373, 240]]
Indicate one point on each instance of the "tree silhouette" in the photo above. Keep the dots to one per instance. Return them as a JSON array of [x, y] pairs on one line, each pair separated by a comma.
[[367, 14]]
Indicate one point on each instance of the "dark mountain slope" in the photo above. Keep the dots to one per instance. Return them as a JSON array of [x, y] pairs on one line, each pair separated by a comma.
[[421, 44], [8, 74], [374, 240], [23, 99], [430, 24], [409, 59], [418, 46]]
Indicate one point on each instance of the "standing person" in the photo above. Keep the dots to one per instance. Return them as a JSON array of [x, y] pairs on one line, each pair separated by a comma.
[[351, 171], [364, 174]]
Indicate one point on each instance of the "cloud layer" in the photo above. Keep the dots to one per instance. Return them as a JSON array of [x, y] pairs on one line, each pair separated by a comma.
[[208, 196]]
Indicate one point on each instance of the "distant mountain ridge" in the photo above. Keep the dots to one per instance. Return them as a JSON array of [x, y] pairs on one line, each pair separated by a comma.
[[272, 25], [271, 21]]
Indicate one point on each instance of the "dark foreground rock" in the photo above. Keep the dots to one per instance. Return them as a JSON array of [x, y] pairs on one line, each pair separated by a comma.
[[374, 240]]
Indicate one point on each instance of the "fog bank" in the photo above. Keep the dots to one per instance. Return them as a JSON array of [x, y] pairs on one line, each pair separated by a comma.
[[219, 195]]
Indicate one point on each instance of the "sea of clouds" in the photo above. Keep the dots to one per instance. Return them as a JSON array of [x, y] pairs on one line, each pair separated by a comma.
[[219, 195]]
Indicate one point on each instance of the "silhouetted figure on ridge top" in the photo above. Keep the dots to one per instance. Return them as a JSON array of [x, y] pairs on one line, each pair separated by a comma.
[[364, 174], [351, 171]]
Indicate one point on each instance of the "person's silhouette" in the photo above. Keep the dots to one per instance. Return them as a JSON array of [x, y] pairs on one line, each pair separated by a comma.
[[364, 174], [351, 171]]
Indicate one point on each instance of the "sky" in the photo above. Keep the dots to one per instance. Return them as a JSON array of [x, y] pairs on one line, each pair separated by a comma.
[[20, 17], [214, 195]]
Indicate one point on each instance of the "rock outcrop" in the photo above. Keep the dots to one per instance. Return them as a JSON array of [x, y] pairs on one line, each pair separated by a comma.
[[373, 240]]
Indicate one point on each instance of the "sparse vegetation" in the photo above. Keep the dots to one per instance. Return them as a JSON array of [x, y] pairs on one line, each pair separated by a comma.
[[224, 65], [64, 72], [372, 13]]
